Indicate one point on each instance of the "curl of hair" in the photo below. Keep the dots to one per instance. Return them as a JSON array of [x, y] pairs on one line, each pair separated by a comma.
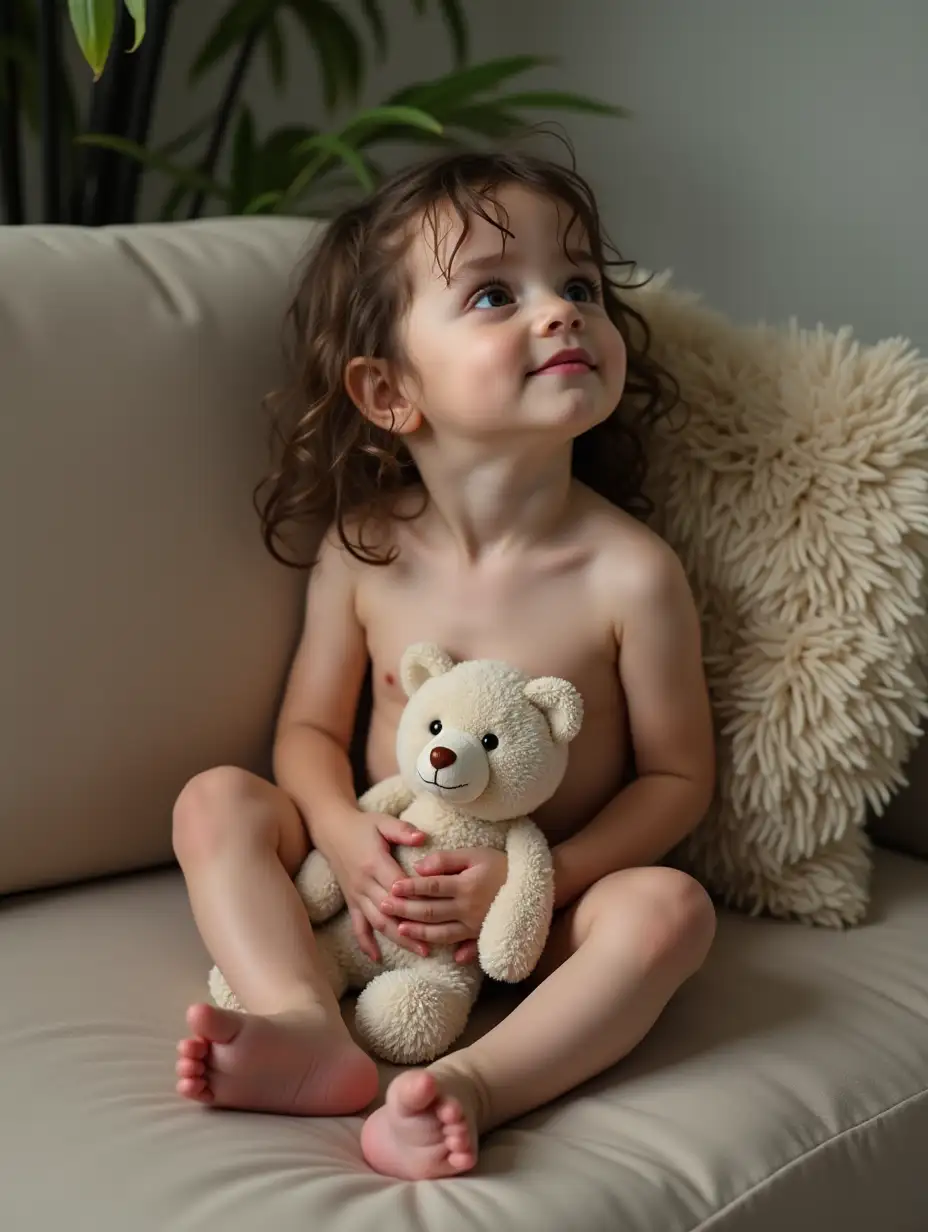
[[338, 469]]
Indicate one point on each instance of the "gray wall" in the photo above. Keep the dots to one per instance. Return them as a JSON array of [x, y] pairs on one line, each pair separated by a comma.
[[778, 157], [778, 154]]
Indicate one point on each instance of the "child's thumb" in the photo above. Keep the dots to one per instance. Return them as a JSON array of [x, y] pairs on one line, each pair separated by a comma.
[[396, 831]]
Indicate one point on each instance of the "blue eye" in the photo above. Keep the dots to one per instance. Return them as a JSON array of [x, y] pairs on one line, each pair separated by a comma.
[[493, 297], [580, 291]]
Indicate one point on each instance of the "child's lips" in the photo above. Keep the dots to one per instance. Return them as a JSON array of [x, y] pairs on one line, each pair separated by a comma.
[[574, 362], [572, 367]]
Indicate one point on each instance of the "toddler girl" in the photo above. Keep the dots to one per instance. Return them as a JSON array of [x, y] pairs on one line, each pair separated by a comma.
[[469, 424]]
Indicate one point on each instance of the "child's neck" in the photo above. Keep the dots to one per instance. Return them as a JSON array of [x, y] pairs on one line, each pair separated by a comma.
[[490, 500]]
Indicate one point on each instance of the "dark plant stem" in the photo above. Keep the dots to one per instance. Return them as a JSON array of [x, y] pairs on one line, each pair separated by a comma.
[[109, 113], [224, 115], [50, 108], [11, 161], [145, 87]]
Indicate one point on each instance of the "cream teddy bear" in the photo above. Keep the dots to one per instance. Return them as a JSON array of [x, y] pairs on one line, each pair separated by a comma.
[[479, 746]]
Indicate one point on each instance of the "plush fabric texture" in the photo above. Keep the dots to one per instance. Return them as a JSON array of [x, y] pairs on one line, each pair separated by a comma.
[[480, 746], [796, 495]]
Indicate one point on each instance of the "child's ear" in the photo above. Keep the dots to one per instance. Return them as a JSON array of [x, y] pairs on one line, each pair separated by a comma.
[[372, 386]]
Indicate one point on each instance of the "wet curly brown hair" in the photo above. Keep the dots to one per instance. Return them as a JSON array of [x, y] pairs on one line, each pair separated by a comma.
[[338, 469]]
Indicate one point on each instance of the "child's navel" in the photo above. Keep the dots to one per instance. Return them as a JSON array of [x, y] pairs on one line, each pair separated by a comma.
[[390, 679]]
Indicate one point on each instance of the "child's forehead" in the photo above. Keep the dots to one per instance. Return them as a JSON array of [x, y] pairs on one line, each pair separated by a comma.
[[519, 220]]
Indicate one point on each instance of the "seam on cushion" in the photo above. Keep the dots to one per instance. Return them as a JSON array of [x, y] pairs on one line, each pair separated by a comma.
[[758, 1186]]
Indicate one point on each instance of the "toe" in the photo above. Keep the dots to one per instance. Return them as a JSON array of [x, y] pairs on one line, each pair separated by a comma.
[[458, 1143], [450, 1110], [213, 1024], [196, 1049], [412, 1093], [461, 1161], [187, 1067], [195, 1088]]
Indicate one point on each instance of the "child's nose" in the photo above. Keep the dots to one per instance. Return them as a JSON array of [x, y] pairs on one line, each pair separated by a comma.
[[441, 758], [560, 316]]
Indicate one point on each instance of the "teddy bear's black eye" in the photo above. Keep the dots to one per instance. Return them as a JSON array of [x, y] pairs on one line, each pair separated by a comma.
[[490, 742], [435, 727]]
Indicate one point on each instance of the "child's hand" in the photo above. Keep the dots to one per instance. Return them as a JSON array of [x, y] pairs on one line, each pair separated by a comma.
[[359, 852], [449, 900]]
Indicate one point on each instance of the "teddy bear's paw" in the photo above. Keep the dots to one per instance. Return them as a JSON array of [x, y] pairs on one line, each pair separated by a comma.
[[413, 1015], [317, 887], [221, 993]]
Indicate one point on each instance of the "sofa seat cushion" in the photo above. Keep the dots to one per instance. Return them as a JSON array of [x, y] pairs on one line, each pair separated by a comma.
[[785, 1087]]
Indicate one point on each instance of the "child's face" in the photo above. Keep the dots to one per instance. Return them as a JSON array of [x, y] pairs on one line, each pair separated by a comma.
[[479, 345]]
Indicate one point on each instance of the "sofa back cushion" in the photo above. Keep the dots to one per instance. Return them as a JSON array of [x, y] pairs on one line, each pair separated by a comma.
[[144, 630]]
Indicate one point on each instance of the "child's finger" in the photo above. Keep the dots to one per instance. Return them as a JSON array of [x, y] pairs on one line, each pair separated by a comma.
[[364, 934], [436, 934], [466, 952], [425, 887], [444, 862], [425, 911], [396, 831]]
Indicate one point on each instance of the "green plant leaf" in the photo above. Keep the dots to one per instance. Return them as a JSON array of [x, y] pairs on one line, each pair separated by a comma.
[[185, 176], [276, 52], [488, 119], [460, 86], [374, 14], [334, 146], [278, 159], [93, 22], [136, 10], [186, 137], [338, 48], [170, 207], [234, 25], [561, 100], [457, 28], [366, 122], [260, 204]]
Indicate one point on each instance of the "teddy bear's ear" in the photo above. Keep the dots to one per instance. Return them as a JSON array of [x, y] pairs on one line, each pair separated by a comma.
[[420, 662], [560, 703]]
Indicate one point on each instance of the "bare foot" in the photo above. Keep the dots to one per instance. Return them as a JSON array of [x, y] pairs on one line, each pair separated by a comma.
[[421, 1132], [301, 1064]]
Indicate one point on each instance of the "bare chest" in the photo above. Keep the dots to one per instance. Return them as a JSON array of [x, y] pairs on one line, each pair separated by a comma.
[[550, 624]]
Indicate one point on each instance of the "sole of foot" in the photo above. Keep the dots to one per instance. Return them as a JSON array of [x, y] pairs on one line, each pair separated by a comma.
[[298, 1064], [420, 1132]]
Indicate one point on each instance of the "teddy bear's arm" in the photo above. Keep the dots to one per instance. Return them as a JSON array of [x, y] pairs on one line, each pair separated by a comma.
[[515, 930], [390, 796]]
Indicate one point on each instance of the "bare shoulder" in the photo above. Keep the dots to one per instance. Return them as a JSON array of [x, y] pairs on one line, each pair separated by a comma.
[[631, 564]]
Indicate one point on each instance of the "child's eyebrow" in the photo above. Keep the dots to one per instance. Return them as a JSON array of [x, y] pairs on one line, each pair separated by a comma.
[[498, 260]]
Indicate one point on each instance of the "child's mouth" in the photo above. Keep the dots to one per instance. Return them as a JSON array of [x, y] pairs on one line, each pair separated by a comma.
[[574, 362]]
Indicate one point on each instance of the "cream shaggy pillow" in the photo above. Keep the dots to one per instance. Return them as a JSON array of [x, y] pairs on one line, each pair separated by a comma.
[[796, 495]]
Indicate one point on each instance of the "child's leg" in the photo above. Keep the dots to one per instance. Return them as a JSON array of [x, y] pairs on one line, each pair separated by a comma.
[[239, 841], [613, 962]]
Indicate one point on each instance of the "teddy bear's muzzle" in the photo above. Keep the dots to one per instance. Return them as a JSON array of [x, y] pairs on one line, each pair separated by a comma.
[[455, 766]]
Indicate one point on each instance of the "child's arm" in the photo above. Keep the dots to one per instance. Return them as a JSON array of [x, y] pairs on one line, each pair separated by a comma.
[[660, 668], [314, 733]]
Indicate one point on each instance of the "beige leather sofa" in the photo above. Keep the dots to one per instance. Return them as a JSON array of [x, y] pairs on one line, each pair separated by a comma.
[[144, 636]]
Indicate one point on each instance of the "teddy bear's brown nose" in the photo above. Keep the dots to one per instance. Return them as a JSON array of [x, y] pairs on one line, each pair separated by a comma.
[[441, 758]]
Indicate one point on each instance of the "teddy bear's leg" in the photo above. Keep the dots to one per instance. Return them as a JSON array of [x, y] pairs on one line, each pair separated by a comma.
[[317, 887], [414, 1014]]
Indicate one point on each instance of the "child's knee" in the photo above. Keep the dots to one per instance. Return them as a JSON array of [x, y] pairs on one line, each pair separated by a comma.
[[209, 811], [668, 911]]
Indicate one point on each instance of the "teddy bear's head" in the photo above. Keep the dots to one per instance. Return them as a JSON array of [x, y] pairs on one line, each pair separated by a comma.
[[483, 736]]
